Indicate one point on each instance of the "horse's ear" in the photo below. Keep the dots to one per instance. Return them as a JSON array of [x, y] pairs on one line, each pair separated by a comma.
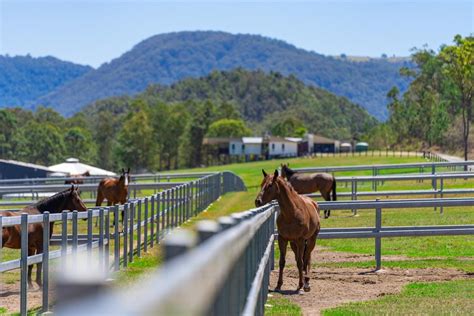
[[123, 171], [72, 188], [128, 170], [275, 175], [264, 173]]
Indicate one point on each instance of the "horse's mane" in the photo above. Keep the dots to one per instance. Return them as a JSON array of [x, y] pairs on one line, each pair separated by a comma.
[[288, 184], [288, 171], [51, 202]]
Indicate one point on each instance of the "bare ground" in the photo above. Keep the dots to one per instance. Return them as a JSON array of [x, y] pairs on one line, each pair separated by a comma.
[[331, 287]]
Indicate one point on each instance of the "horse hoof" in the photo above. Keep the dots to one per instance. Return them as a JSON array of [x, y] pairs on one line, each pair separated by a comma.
[[307, 288]]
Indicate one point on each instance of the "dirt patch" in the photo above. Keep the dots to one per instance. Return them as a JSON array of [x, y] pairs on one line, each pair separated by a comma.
[[331, 287], [10, 297]]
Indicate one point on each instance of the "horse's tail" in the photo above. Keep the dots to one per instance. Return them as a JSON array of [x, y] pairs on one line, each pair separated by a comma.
[[334, 195], [100, 196]]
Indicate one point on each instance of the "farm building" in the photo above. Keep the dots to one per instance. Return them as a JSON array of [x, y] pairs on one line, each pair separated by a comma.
[[321, 144], [72, 167], [11, 169], [283, 147]]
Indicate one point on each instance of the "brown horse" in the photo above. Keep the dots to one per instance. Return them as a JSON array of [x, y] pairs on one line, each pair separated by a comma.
[[114, 190], [78, 179], [309, 183], [298, 223], [11, 236]]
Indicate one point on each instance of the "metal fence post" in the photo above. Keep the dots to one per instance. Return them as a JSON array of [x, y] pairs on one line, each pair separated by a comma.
[[74, 237], [101, 239], [152, 222], [45, 262], [178, 243], [130, 232], [63, 238], [89, 237], [441, 187], [378, 239], [107, 245], [24, 265], [145, 236], [125, 234], [116, 239], [206, 229], [139, 229]]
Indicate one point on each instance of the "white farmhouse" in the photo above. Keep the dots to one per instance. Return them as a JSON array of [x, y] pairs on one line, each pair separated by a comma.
[[283, 147]]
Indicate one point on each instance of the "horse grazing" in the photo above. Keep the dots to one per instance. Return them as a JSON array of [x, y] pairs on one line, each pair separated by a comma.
[[78, 179], [309, 183], [298, 223], [113, 189], [11, 236]]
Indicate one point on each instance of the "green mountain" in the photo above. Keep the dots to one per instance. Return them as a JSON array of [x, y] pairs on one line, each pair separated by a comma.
[[261, 100], [23, 78], [168, 58]]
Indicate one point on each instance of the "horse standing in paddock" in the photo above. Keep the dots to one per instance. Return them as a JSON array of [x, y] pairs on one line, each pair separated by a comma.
[[78, 179], [114, 190], [11, 236], [298, 223], [309, 183]]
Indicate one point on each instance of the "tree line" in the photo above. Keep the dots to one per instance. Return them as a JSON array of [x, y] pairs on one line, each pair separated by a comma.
[[436, 110]]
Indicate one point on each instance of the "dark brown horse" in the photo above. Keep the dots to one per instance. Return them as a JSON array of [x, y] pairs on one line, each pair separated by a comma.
[[11, 236], [113, 189], [78, 179], [298, 223], [310, 183]]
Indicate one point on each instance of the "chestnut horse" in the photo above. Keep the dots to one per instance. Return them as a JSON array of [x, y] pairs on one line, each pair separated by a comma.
[[310, 183], [114, 190], [11, 236], [78, 179], [298, 223]]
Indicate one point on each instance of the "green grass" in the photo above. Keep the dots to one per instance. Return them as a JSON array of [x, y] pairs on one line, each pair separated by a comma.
[[140, 266], [440, 298], [281, 306]]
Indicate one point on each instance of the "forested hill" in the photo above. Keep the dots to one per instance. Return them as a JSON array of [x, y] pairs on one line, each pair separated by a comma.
[[262, 99], [168, 58], [24, 78]]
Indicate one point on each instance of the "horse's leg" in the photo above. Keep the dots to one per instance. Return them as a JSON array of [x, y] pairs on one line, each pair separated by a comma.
[[282, 245], [327, 197], [310, 244], [31, 252], [298, 248], [100, 198], [39, 266]]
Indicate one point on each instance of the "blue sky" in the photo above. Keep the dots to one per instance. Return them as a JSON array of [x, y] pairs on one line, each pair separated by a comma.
[[94, 32]]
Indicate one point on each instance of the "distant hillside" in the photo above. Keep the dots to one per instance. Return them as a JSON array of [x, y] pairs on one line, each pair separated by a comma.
[[168, 58], [260, 98], [23, 78]]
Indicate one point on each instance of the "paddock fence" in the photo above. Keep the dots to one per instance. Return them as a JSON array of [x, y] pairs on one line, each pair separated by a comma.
[[227, 270], [224, 271], [145, 222]]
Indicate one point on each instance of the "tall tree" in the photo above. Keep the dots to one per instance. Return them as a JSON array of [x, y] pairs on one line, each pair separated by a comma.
[[458, 64], [79, 144], [228, 128]]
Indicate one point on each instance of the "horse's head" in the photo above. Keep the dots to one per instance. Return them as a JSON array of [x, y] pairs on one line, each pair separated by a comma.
[[286, 172], [269, 189], [74, 201], [125, 177]]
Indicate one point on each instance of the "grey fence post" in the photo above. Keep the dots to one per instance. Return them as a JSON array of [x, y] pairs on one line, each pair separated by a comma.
[[89, 237], [152, 222], [206, 229], [441, 187], [139, 229], [63, 238], [24, 265], [101, 239], [107, 245], [130, 232], [116, 239], [45, 261], [167, 209], [378, 239], [125, 234], [178, 243], [74, 237], [159, 215]]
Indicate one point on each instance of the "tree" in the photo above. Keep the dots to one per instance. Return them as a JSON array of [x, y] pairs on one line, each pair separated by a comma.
[[8, 129], [43, 144], [228, 128], [458, 64], [287, 126], [79, 144], [135, 145]]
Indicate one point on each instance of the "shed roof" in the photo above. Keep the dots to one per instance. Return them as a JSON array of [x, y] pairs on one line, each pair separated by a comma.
[[72, 166], [252, 140], [25, 164], [318, 139]]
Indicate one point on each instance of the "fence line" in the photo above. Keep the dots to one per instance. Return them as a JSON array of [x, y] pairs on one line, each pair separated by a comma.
[[226, 273], [145, 222]]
